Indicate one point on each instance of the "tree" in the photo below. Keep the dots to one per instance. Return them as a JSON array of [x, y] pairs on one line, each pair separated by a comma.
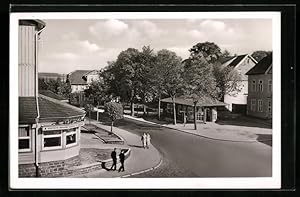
[[126, 72], [259, 55], [227, 81], [97, 91], [168, 76], [209, 50], [65, 89], [114, 111], [198, 80]]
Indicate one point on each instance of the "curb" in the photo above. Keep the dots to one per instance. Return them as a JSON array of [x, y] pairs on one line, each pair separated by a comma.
[[211, 138], [143, 171]]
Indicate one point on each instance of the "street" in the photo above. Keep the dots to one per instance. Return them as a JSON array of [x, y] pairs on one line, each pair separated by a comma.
[[186, 155]]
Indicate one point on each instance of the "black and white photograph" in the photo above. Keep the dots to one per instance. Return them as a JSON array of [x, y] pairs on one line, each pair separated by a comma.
[[145, 100]]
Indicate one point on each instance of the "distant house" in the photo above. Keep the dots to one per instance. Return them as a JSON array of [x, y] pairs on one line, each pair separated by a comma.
[[242, 64], [206, 108], [80, 79], [260, 89], [49, 130], [51, 76]]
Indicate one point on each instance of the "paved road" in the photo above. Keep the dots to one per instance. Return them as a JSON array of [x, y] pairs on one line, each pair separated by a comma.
[[186, 155]]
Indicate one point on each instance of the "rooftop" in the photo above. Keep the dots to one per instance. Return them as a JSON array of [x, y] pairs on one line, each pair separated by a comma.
[[76, 77], [50, 110], [262, 66]]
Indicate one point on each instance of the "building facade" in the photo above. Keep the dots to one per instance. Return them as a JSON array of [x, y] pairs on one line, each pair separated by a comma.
[[206, 109], [49, 130], [80, 79], [237, 102], [260, 89]]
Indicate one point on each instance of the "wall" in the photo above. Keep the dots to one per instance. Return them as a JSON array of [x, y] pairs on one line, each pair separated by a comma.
[[265, 96], [92, 77], [239, 98], [26, 60], [78, 88]]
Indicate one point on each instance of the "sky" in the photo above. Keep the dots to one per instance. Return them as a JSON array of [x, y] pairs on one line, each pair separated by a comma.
[[67, 44]]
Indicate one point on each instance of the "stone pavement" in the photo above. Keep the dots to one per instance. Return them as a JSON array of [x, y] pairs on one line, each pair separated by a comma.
[[140, 159], [215, 131]]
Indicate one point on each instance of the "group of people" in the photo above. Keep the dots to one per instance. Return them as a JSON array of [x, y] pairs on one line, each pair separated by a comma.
[[114, 158], [146, 140]]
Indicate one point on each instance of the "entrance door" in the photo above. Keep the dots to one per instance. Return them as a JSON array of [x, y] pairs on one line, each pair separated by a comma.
[[199, 114]]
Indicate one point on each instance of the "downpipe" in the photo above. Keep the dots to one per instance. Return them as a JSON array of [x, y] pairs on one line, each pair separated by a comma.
[[38, 174]]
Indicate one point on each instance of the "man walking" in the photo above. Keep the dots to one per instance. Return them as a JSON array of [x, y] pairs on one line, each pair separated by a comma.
[[122, 159], [114, 158]]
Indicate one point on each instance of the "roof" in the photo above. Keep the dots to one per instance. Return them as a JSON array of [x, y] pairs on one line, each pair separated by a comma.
[[51, 94], [50, 110], [38, 23], [27, 110], [76, 77], [262, 66], [49, 75], [237, 60], [203, 101]]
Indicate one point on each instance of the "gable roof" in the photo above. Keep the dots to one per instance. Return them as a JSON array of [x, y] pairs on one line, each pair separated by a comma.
[[203, 101], [262, 66], [51, 94], [50, 110], [76, 77], [237, 60]]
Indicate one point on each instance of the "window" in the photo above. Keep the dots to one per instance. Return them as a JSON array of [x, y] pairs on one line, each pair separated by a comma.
[[253, 104], [71, 137], [52, 139], [270, 107], [270, 85], [260, 105], [260, 86], [24, 139], [253, 86]]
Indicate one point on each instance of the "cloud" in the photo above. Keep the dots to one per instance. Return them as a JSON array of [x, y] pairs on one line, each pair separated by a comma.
[[110, 27], [149, 29], [213, 25], [70, 36], [64, 55], [85, 44]]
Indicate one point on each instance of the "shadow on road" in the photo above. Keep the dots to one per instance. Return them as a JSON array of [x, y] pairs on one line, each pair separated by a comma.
[[104, 166], [266, 139], [136, 146]]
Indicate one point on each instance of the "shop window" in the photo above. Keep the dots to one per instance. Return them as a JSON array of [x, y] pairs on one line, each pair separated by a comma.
[[24, 139], [253, 104], [71, 137], [52, 140], [260, 105]]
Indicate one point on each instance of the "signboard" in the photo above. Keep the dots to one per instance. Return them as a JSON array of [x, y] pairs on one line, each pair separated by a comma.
[[62, 127]]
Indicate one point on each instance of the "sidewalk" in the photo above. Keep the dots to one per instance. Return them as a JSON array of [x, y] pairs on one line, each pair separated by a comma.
[[139, 160], [216, 131]]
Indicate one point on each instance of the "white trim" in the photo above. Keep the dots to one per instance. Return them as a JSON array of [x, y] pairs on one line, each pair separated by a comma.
[[52, 136], [260, 105], [29, 137], [255, 85], [260, 85], [76, 138]]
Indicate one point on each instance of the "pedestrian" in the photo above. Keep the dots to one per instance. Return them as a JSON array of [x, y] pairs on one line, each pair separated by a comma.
[[114, 158], [144, 140], [122, 159], [148, 140]]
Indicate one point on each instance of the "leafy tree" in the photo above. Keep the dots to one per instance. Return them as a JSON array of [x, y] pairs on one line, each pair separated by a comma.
[[227, 81], [127, 71], [198, 80], [114, 111], [57, 86], [226, 53], [209, 50], [64, 89], [259, 55], [168, 76], [97, 91]]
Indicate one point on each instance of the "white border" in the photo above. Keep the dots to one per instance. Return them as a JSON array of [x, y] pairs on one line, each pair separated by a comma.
[[151, 183]]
